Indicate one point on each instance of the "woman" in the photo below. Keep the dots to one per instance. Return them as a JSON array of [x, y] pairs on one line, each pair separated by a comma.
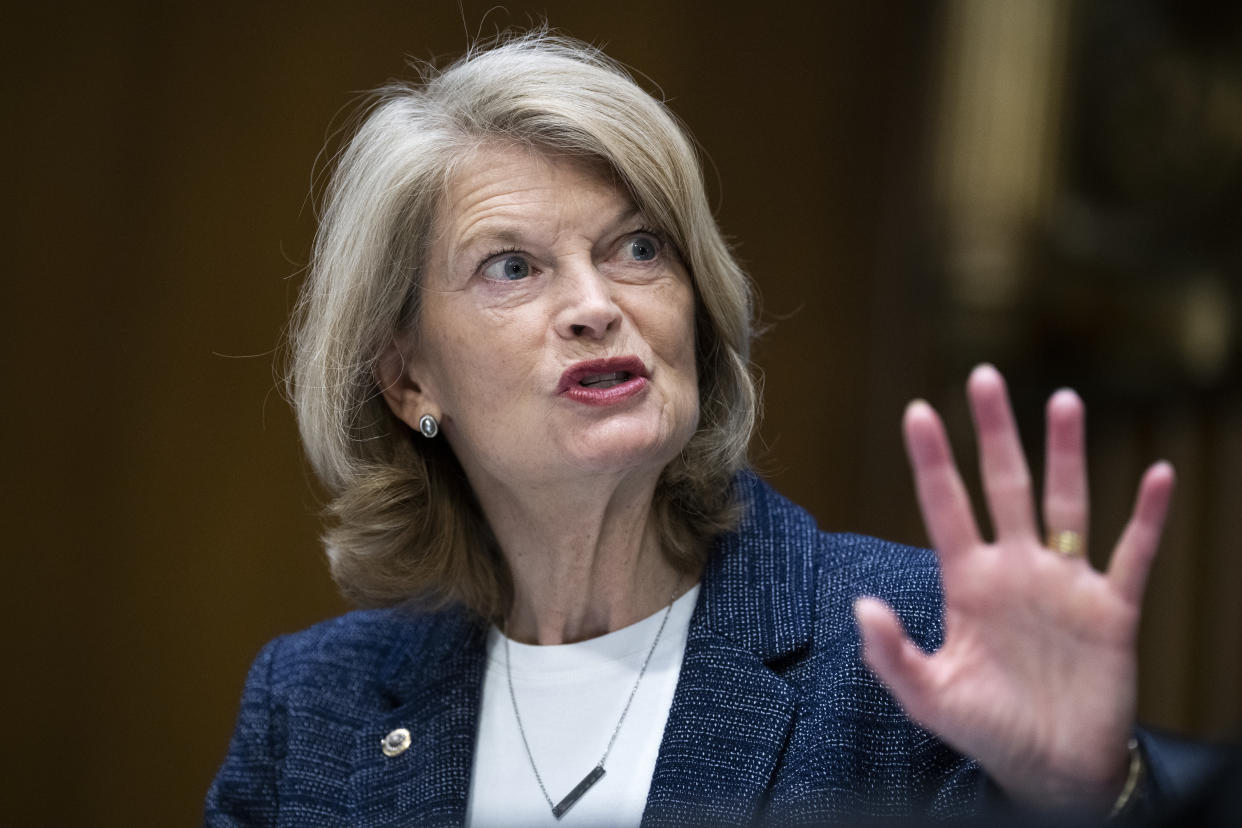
[[520, 365]]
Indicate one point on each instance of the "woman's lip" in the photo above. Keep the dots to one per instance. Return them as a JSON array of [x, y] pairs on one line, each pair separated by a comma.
[[571, 380], [613, 394]]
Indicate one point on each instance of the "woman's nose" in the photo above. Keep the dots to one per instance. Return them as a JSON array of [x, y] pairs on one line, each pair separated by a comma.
[[588, 309]]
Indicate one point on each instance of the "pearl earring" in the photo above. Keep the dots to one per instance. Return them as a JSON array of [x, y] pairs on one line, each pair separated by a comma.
[[428, 426]]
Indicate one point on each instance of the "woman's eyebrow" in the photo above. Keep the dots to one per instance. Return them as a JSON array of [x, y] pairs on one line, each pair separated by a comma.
[[626, 216], [508, 236]]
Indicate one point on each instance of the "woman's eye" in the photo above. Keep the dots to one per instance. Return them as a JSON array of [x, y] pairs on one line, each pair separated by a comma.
[[643, 248], [507, 269]]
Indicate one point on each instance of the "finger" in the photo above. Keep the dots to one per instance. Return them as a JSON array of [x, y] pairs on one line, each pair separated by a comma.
[[1137, 548], [942, 496], [1006, 479], [894, 658], [1066, 504]]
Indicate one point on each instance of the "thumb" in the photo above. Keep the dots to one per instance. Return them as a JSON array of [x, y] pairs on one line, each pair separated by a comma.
[[894, 658]]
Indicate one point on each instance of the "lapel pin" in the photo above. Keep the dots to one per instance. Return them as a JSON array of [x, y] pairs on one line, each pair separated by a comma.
[[395, 742]]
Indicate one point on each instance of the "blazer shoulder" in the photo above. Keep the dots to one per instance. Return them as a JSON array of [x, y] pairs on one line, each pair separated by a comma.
[[850, 566], [354, 649], [876, 561], [778, 563], [776, 528]]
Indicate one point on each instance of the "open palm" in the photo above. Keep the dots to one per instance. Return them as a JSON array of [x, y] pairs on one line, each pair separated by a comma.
[[1037, 675]]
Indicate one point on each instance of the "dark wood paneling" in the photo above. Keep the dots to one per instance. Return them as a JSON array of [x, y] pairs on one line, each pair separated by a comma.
[[163, 521]]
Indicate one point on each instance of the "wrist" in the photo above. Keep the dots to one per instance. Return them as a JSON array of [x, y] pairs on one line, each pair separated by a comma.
[[1098, 789]]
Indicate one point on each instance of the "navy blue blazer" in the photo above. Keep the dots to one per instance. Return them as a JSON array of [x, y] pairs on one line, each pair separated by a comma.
[[774, 714]]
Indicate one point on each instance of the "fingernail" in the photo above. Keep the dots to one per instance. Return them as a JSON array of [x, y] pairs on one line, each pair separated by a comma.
[[917, 405], [984, 372], [1064, 395]]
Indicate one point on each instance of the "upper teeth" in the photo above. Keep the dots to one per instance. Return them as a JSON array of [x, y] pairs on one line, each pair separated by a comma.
[[606, 380]]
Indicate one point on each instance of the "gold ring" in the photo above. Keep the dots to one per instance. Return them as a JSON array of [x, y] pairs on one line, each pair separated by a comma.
[[1067, 544]]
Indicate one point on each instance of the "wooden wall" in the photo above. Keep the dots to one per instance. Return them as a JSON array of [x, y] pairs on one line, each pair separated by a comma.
[[162, 522]]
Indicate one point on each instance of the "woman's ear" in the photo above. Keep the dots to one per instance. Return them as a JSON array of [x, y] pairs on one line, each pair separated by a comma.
[[395, 375]]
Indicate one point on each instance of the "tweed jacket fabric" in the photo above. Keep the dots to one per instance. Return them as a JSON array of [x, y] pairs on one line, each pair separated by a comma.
[[774, 712]]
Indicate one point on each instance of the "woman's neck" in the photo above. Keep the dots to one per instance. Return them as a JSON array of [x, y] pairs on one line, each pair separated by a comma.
[[585, 559]]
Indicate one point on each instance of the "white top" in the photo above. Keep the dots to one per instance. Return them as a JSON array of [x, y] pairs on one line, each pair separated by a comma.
[[570, 697]]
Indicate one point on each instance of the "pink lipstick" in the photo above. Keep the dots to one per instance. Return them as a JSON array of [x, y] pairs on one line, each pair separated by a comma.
[[604, 381]]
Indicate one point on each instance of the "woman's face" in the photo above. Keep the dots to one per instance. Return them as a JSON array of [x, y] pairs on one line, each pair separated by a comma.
[[556, 336]]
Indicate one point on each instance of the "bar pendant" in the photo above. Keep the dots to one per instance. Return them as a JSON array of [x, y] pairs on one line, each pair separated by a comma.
[[559, 809]]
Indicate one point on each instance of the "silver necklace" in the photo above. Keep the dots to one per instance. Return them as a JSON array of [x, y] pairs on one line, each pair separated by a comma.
[[597, 772]]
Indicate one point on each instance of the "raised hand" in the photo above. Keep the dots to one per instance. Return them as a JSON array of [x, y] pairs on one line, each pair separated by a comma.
[[1036, 678]]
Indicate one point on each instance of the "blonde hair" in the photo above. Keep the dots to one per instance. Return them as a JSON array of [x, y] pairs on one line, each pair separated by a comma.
[[404, 522]]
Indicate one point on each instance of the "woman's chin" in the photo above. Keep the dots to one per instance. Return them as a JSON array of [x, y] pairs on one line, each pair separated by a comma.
[[625, 452]]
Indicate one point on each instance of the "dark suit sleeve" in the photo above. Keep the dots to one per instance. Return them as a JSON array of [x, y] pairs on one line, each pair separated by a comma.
[[1171, 792], [244, 791], [1188, 778]]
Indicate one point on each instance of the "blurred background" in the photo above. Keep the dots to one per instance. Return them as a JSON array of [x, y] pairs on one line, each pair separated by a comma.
[[914, 186]]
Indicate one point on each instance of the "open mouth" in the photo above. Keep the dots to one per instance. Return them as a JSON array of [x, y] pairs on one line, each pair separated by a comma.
[[605, 380]]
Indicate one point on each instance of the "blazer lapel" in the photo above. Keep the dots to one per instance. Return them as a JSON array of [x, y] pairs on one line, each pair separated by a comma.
[[434, 681], [724, 736], [732, 711], [727, 726]]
